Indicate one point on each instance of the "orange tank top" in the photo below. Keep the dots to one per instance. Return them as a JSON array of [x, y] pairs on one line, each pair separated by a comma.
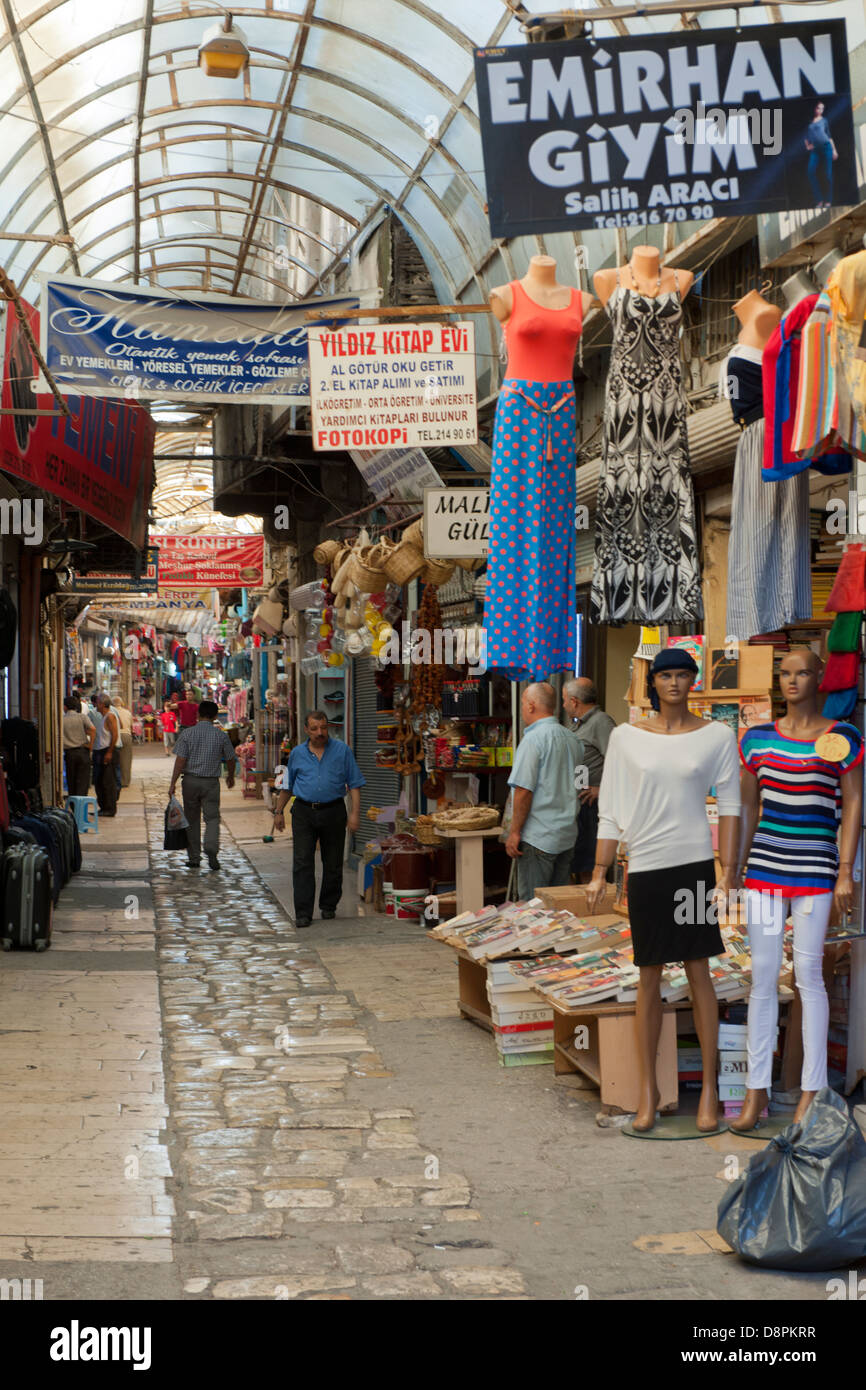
[[541, 342]]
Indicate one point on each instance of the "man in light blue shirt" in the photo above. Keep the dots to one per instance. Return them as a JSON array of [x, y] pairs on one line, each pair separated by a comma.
[[544, 819], [320, 772]]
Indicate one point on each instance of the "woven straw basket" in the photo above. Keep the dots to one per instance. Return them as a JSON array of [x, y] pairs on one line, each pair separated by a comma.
[[362, 572], [436, 572], [325, 553], [466, 818], [404, 563], [414, 534]]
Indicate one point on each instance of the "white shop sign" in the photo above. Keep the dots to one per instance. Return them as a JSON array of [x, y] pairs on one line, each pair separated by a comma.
[[455, 522], [393, 385]]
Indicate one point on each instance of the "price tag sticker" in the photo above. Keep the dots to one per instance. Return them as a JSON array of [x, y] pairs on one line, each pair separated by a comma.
[[833, 748]]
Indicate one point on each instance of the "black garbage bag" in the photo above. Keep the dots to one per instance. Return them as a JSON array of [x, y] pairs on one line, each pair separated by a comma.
[[173, 839], [801, 1204]]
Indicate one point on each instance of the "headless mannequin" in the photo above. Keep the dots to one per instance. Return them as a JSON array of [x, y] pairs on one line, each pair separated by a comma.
[[642, 275], [673, 718], [799, 678], [543, 288], [758, 319]]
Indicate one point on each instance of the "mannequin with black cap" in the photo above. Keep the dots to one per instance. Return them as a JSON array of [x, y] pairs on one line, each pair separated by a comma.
[[656, 778]]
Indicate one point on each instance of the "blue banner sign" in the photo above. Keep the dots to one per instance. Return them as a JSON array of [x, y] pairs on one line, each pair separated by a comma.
[[100, 339]]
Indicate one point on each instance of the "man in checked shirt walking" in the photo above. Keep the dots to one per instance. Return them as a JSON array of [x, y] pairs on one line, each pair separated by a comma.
[[200, 752]]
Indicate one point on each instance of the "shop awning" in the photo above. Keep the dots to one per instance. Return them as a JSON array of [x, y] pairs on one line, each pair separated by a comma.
[[189, 621]]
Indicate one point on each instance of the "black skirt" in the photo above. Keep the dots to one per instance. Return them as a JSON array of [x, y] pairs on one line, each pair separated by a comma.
[[669, 911]]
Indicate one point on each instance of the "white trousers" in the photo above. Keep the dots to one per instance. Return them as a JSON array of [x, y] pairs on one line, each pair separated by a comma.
[[766, 914]]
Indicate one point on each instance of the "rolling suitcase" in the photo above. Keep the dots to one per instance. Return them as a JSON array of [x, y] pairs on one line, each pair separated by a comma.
[[64, 824], [25, 878], [15, 835], [48, 838]]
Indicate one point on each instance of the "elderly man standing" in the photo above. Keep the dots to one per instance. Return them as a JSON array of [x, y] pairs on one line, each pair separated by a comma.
[[544, 817], [594, 727], [320, 772]]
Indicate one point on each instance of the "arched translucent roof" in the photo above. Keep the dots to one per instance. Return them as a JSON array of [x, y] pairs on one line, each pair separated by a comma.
[[112, 136]]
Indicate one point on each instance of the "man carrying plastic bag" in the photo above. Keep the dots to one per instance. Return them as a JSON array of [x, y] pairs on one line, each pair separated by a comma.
[[176, 825]]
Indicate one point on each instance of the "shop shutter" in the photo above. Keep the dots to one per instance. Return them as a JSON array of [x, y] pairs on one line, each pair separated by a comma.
[[584, 555], [382, 787]]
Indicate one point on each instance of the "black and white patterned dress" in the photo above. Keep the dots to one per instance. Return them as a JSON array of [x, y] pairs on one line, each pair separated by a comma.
[[647, 568]]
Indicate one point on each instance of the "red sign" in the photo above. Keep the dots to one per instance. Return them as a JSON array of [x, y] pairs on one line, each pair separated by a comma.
[[213, 562], [100, 459]]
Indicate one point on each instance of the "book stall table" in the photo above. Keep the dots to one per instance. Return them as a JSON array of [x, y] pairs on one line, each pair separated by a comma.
[[608, 1056]]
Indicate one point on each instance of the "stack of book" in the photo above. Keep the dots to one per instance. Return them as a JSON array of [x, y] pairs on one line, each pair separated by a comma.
[[522, 1024], [733, 1066], [690, 1067], [529, 929]]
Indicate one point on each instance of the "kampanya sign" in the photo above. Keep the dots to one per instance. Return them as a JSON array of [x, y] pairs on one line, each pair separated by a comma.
[[660, 128]]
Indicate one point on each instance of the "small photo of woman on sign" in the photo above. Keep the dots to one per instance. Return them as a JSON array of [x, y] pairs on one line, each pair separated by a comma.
[[822, 153]]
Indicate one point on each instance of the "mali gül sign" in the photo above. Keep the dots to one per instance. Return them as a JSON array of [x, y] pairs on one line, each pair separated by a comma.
[[393, 385], [455, 522], [623, 132]]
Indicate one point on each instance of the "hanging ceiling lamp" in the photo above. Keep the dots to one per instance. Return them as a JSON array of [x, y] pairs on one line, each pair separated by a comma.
[[223, 51]]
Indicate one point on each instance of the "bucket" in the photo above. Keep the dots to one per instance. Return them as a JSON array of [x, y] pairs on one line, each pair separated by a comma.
[[388, 890], [411, 869], [409, 902]]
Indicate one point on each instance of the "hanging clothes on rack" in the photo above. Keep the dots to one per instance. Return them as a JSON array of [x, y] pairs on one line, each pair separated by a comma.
[[781, 367], [825, 422], [846, 290], [769, 580]]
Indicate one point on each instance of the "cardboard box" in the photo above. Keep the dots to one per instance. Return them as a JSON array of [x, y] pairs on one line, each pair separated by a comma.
[[572, 898], [732, 1037], [733, 1065], [732, 1090]]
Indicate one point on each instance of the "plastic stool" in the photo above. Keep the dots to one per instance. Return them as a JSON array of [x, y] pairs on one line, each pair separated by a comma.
[[85, 811]]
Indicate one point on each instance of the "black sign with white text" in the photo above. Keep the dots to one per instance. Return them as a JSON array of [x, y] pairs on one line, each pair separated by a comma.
[[692, 125]]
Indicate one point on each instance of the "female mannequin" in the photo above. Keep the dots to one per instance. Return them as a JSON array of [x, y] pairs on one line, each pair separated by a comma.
[[541, 284], [656, 778], [530, 603], [643, 274], [758, 318], [769, 581], [647, 567], [796, 772]]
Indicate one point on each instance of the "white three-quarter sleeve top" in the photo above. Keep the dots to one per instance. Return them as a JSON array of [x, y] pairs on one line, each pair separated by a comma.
[[654, 789]]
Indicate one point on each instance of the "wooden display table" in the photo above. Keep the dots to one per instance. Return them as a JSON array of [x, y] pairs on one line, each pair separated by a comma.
[[470, 865], [610, 1056]]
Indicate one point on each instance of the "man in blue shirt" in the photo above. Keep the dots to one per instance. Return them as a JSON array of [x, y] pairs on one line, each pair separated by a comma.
[[319, 773], [544, 818]]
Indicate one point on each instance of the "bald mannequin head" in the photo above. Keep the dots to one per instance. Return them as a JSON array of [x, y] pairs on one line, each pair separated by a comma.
[[538, 702], [800, 675]]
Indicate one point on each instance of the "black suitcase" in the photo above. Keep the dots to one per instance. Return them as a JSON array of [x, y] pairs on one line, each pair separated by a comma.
[[64, 824], [15, 835], [25, 878], [47, 836]]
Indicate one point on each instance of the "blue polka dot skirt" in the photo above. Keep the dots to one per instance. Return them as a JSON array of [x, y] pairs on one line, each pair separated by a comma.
[[529, 610]]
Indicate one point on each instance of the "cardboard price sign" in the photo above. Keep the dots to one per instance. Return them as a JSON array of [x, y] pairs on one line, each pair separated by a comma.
[[393, 386]]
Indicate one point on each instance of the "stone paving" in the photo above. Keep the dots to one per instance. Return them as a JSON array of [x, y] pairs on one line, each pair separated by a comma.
[[286, 1186]]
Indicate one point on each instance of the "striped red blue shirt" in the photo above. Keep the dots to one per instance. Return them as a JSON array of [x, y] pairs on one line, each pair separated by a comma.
[[794, 850]]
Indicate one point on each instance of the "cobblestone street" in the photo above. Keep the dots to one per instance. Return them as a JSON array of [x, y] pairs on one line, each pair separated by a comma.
[[201, 1102]]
